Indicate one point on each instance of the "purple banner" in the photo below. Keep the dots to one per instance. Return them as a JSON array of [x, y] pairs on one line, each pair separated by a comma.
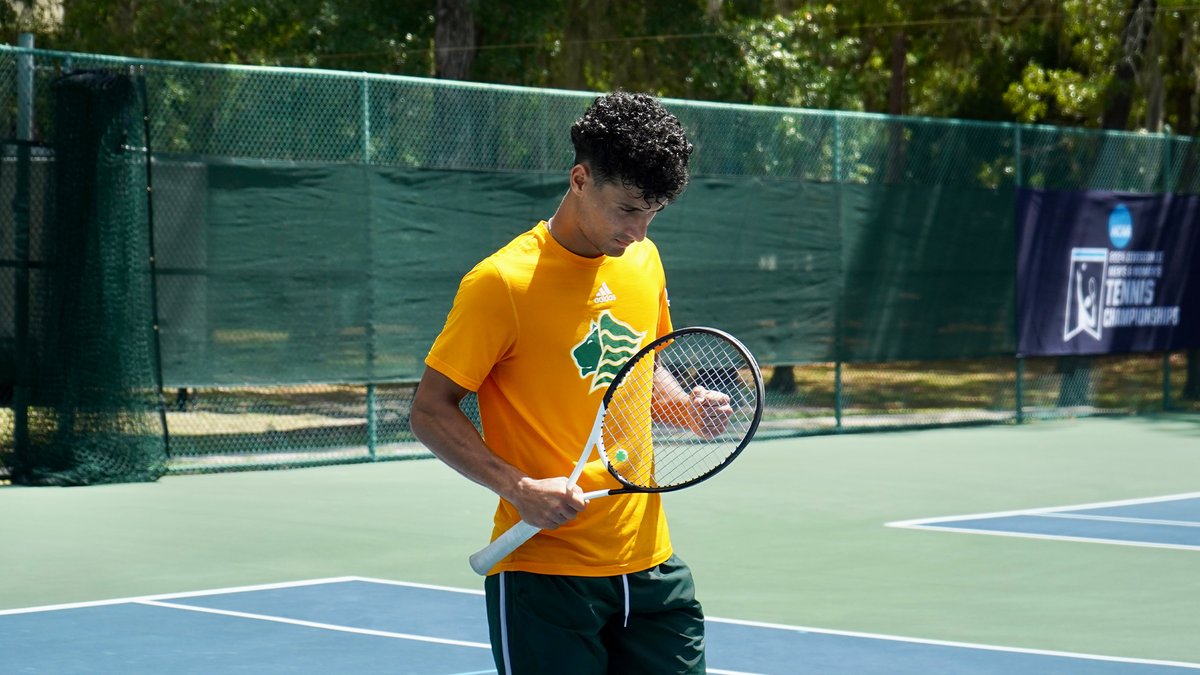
[[1107, 272]]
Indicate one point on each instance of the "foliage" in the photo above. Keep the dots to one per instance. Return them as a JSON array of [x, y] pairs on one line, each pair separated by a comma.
[[371, 35], [790, 60], [1042, 94], [1049, 61]]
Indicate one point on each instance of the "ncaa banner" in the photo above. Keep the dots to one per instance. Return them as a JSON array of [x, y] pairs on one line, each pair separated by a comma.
[[1107, 272]]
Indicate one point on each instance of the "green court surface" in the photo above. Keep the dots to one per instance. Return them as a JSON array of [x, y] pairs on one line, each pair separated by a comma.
[[793, 533]]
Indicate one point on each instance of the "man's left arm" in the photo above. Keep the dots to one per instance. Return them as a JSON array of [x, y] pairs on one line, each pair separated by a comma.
[[704, 411]]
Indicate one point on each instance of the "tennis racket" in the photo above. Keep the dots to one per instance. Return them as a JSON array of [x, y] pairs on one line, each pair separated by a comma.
[[677, 412]]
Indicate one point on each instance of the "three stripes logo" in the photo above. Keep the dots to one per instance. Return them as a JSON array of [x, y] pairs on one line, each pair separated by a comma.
[[604, 295], [607, 346]]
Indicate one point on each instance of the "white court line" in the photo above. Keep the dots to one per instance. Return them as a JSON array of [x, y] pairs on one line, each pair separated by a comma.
[[314, 624], [871, 636], [161, 600], [1049, 537], [1049, 509], [961, 645], [1119, 519], [177, 596], [944, 523], [410, 584], [714, 670]]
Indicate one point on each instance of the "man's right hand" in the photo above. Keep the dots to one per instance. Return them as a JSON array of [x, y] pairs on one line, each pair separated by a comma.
[[547, 503]]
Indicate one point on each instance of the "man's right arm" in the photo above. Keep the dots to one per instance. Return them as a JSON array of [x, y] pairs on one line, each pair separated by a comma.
[[440, 424]]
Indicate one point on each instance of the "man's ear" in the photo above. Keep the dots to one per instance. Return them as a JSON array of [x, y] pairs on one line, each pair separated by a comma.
[[580, 176]]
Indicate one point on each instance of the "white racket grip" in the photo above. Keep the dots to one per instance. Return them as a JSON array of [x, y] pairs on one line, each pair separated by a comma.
[[486, 558]]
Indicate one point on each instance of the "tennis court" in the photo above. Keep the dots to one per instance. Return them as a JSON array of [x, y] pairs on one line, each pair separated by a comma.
[[362, 568], [371, 625]]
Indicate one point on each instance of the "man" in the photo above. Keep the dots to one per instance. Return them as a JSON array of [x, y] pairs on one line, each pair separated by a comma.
[[599, 590]]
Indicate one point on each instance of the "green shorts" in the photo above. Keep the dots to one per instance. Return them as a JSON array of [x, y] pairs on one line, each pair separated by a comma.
[[646, 622]]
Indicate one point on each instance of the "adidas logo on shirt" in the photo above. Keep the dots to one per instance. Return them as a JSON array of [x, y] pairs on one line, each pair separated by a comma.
[[605, 294]]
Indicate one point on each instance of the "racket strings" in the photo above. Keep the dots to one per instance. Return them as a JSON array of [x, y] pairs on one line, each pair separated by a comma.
[[653, 443]]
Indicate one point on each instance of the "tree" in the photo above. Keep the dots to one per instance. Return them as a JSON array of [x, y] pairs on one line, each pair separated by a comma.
[[454, 39]]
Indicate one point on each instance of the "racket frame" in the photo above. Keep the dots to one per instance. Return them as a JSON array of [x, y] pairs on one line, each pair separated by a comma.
[[598, 429]]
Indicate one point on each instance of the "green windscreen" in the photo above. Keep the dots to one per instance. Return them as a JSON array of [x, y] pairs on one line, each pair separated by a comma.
[[359, 264]]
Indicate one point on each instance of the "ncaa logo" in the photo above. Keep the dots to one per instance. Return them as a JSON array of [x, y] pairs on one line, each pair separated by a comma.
[[1120, 226]]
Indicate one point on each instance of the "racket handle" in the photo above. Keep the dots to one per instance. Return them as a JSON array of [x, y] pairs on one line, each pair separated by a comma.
[[486, 558]]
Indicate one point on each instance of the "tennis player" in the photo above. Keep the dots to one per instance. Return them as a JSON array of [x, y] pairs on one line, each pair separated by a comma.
[[538, 329]]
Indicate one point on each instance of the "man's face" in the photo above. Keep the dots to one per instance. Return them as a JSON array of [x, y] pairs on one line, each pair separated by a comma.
[[612, 217]]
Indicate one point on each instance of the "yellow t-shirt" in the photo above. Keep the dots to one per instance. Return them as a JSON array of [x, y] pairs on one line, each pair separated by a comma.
[[529, 329]]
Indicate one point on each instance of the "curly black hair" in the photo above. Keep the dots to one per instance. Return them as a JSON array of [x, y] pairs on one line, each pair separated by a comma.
[[631, 138]]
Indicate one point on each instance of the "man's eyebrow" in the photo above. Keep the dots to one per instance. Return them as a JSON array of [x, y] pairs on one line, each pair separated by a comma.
[[656, 209]]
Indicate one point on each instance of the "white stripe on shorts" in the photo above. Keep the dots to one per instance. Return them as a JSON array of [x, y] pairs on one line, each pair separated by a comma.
[[504, 625]]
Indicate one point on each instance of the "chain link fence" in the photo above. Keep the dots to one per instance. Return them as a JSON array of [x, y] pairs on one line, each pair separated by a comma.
[[310, 227]]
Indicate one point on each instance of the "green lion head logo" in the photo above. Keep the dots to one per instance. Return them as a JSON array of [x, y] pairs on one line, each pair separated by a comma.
[[606, 347]]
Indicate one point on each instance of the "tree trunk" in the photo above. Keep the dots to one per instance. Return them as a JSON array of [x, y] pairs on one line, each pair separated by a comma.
[[1151, 76], [454, 39], [1135, 40], [896, 95], [712, 10], [1191, 59], [454, 51], [783, 380]]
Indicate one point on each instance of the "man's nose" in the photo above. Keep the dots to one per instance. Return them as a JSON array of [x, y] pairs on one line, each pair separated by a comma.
[[641, 226]]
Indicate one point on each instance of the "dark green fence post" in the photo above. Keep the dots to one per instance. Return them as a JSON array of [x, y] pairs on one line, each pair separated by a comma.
[[837, 394], [840, 310], [365, 102], [372, 407], [372, 420], [1166, 382], [1168, 185], [21, 212], [1020, 390]]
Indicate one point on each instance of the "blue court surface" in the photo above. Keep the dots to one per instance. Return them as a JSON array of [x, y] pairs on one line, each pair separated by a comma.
[[359, 625], [1160, 522]]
